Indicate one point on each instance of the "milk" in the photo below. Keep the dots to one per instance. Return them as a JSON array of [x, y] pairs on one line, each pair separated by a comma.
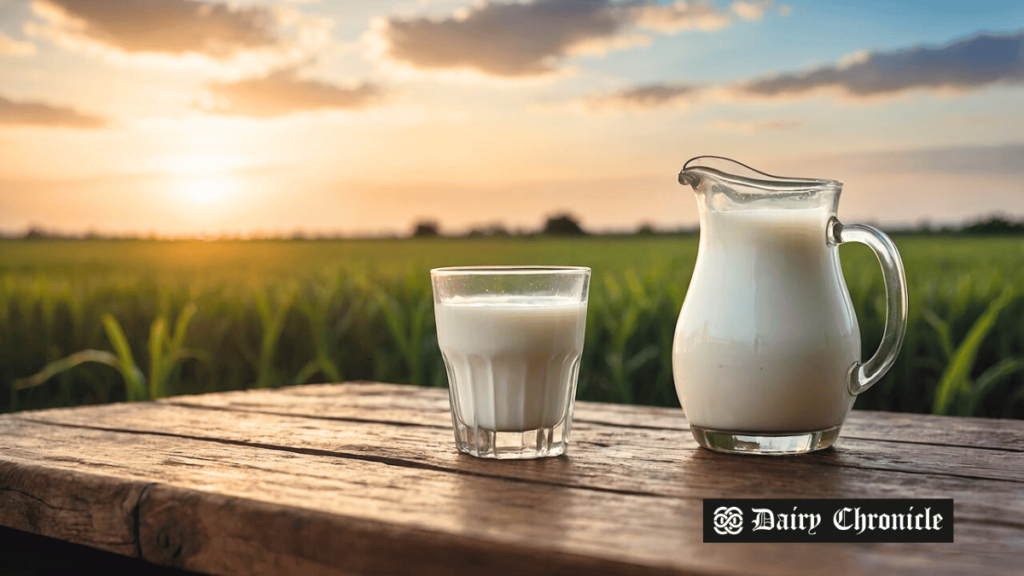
[[767, 332], [512, 360]]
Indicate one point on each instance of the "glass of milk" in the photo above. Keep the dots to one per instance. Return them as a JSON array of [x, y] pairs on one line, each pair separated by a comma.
[[511, 338]]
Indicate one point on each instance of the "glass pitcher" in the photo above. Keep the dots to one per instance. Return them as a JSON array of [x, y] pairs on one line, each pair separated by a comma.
[[767, 354]]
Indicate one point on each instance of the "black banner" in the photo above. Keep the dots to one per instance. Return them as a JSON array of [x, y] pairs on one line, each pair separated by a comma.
[[821, 520]]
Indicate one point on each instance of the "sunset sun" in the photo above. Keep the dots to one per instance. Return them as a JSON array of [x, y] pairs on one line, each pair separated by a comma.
[[206, 190]]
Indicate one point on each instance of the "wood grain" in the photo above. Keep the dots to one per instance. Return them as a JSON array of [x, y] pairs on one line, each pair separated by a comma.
[[364, 479], [34, 497], [415, 405]]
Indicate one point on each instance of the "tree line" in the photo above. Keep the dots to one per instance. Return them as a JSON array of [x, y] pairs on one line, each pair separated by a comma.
[[563, 224]]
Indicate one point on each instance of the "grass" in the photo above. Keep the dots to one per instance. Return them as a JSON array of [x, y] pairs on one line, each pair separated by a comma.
[[142, 319]]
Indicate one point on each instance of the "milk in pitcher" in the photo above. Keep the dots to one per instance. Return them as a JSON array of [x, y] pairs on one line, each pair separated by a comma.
[[761, 344]]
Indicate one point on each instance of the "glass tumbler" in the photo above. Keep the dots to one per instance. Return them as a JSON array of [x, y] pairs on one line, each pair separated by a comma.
[[511, 339]]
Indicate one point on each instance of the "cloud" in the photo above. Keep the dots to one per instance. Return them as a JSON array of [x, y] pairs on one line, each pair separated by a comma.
[[643, 97], [750, 10], [500, 39], [178, 30], [167, 26], [677, 16], [11, 47], [970, 63], [529, 39], [13, 112], [284, 92]]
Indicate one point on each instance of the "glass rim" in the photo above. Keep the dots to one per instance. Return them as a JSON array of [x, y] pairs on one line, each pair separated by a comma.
[[508, 270]]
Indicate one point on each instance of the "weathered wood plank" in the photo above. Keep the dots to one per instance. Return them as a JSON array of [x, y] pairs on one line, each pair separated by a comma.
[[313, 542], [603, 456], [364, 479], [613, 459], [429, 406], [34, 497], [231, 509]]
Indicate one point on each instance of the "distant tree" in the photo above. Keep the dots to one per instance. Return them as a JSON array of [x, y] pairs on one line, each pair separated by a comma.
[[645, 230], [36, 233], [995, 225], [563, 225], [425, 229], [491, 230]]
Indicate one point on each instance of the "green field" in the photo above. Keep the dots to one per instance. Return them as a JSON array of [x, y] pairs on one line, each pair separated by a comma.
[[209, 316]]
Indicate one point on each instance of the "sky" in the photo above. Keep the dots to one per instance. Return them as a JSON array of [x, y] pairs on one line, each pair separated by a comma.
[[260, 117]]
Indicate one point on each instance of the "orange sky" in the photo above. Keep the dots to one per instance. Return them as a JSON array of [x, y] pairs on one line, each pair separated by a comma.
[[183, 117]]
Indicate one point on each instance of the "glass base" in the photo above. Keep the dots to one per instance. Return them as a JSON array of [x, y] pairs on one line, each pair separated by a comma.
[[539, 443], [765, 444]]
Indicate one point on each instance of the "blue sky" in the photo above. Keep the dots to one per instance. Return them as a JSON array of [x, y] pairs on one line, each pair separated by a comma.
[[203, 117]]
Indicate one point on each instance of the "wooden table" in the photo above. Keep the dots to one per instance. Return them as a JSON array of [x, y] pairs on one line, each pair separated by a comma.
[[364, 478]]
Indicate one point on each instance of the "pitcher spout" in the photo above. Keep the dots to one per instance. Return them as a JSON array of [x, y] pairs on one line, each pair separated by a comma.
[[735, 183], [688, 178]]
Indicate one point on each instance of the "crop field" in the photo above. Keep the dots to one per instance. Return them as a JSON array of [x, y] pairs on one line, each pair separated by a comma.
[[101, 320]]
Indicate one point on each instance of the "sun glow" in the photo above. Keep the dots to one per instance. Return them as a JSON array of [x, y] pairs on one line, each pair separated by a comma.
[[198, 163], [203, 179], [206, 190]]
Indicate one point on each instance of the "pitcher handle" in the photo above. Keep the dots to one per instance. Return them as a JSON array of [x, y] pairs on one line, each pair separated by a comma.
[[864, 375]]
